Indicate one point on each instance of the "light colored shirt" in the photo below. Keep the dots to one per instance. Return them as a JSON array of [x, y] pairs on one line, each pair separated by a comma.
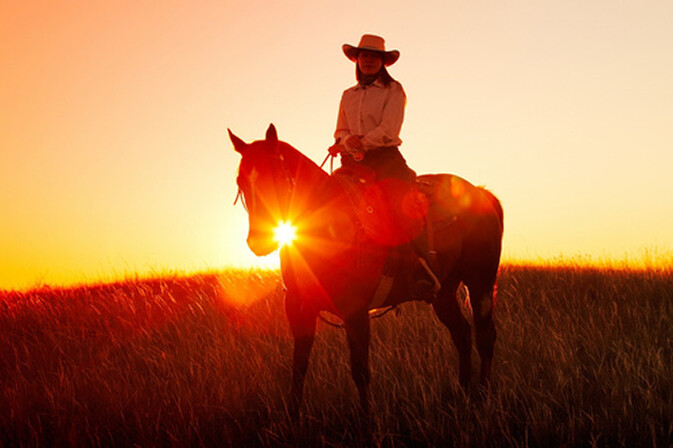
[[375, 113]]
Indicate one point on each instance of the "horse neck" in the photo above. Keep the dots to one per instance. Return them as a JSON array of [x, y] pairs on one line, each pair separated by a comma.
[[315, 194], [307, 175]]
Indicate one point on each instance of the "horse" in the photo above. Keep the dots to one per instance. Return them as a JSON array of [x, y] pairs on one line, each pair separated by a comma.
[[335, 266]]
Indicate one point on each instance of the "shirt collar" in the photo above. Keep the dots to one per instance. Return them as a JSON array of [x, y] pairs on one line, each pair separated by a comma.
[[376, 83]]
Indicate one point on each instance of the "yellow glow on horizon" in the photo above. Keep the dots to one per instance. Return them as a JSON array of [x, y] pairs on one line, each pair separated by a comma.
[[115, 160]]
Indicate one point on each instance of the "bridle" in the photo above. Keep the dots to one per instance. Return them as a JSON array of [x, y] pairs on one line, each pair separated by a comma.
[[239, 195], [288, 180]]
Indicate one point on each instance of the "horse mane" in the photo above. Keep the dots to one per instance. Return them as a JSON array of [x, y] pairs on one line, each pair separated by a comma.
[[300, 162]]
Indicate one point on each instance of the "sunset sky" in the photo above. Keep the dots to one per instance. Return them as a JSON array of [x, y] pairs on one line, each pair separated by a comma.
[[115, 160]]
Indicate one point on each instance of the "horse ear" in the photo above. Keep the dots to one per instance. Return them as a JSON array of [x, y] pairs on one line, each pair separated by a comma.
[[271, 134], [239, 145]]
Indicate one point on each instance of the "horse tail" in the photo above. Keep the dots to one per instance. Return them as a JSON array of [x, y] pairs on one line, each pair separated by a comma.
[[495, 202], [496, 205]]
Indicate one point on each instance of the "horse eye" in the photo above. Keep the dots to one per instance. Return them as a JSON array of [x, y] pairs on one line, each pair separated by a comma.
[[247, 180]]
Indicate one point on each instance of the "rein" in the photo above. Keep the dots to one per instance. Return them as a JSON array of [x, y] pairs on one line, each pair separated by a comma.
[[331, 163], [290, 179]]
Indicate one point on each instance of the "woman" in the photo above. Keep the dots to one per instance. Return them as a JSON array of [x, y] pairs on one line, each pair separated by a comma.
[[367, 135], [371, 113]]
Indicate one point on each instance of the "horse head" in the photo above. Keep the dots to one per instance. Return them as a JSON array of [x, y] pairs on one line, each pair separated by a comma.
[[266, 180]]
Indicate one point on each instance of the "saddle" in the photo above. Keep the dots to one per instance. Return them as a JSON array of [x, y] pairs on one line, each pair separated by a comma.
[[414, 222], [426, 209]]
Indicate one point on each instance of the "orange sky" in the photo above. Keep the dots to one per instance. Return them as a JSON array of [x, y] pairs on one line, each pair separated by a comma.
[[115, 160]]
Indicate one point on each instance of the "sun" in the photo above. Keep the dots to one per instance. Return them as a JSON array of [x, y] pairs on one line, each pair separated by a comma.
[[285, 233]]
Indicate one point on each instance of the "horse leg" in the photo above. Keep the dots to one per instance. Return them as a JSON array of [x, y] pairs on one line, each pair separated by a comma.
[[481, 299], [357, 330], [303, 326], [449, 313]]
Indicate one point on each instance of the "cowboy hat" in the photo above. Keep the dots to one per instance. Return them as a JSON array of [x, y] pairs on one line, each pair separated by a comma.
[[371, 43]]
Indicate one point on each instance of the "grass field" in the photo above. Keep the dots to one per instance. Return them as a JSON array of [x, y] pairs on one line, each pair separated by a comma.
[[584, 357]]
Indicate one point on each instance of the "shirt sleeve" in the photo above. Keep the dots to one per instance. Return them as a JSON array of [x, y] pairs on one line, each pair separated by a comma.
[[342, 130], [388, 132]]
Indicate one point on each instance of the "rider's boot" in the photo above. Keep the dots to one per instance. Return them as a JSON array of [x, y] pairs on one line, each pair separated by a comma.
[[426, 284]]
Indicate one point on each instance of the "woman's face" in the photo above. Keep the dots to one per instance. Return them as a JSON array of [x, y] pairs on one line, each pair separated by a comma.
[[369, 62]]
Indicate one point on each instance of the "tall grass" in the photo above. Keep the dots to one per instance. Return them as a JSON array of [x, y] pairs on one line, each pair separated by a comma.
[[583, 358]]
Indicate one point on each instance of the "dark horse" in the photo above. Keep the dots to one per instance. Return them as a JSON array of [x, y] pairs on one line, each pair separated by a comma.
[[335, 266]]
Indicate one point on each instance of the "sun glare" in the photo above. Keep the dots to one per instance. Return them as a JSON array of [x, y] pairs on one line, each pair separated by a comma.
[[285, 233]]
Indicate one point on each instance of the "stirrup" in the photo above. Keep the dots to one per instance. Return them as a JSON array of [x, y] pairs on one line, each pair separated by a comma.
[[437, 285]]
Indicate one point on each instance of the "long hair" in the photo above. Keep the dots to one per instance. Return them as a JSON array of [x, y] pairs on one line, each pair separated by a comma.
[[382, 76]]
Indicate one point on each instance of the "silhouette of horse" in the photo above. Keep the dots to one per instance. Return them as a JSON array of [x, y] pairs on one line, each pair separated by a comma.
[[335, 266]]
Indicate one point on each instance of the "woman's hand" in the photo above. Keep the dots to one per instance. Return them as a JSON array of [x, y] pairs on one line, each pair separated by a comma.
[[354, 142], [336, 149]]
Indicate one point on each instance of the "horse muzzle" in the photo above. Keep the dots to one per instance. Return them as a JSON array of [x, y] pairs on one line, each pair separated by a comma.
[[261, 243]]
